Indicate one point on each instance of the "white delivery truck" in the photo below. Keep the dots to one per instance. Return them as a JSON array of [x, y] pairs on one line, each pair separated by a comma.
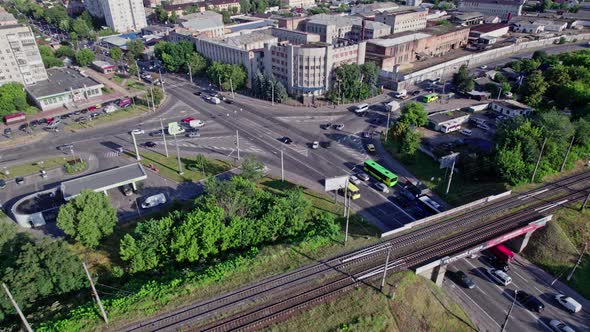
[[392, 106]]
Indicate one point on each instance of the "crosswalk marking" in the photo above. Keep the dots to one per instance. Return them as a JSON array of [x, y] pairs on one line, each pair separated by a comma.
[[110, 154]]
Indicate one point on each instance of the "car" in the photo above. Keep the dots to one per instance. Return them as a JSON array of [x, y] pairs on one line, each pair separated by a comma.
[[2, 184], [325, 144], [498, 264], [193, 134], [150, 144], [156, 133], [560, 326], [568, 303], [81, 119], [366, 134], [229, 101], [153, 201], [415, 93], [7, 132], [23, 127], [326, 126], [110, 108], [529, 301], [127, 190], [466, 132], [198, 93], [382, 187], [483, 67], [43, 121], [137, 132], [463, 280], [500, 277], [315, 145], [371, 148], [362, 108], [19, 180], [34, 123], [82, 112], [402, 201], [187, 119], [64, 147], [95, 115], [363, 176], [354, 180], [339, 126], [483, 126], [286, 140], [91, 108]]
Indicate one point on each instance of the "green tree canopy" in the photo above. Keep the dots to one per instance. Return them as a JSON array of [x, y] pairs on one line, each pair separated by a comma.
[[84, 57], [116, 54], [13, 98], [135, 48], [229, 75], [463, 80], [81, 28], [252, 168], [533, 88], [413, 113], [65, 51], [87, 218]]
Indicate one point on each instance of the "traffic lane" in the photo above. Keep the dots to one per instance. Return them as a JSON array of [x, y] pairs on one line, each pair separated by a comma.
[[498, 299]]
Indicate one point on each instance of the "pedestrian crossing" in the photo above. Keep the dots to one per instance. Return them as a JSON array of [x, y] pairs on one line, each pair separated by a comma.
[[354, 147], [187, 144], [110, 154]]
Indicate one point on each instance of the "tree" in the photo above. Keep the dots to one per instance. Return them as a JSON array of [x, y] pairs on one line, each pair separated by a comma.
[[354, 82], [135, 48], [48, 57], [582, 133], [149, 245], [463, 80], [413, 113], [198, 235], [533, 88], [161, 14], [81, 28], [133, 69], [116, 54], [84, 57], [410, 142], [226, 16], [201, 162], [252, 168], [12, 98], [229, 75], [245, 6], [65, 25], [173, 17], [65, 51], [158, 95], [511, 166], [197, 63], [87, 218], [540, 56], [261, 6]]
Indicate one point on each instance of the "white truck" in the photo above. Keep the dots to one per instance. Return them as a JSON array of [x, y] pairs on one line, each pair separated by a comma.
[[196, 123], [392, 106], [401, 94]]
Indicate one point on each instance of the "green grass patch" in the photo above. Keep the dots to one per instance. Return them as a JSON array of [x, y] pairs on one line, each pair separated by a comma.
[[168, 167], [34, 167], [117, 79], [462, 190], [121, 114], [136, 85], [555, 247], [418, 305]]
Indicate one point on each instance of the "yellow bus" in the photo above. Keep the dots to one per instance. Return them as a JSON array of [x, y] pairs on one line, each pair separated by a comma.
[[429, 98], [353, 191]]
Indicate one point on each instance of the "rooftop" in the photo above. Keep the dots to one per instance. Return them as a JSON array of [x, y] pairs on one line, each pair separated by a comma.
[[244, 40], [398, 40], [404, 10], [498, 2], [101, 64], [6, 16], [446, 116], [202, 21], [104, 180], [340, 21], [513, 104], [60, 80], [483, 28], [467, 15]]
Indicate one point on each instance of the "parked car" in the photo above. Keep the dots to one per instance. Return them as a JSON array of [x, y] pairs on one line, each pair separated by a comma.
[[286, 140], [198, 93], [150, 144], [371, 148], [463, 280], [483, 67], [366, 134], [7, 132], [325, 144], [415, 93], [382, 187], [127, 190], [362, 108], [339, 126], [529, 301], [466, 132], [229, 101], [354, 180], [2, 184], [363, 176], [326, 126], [137, 132], [193, 134], [153, 201], [156, 133], [65, 147], [500, 277], [187, 119], [19, 180], [560, 326], [568, 303]]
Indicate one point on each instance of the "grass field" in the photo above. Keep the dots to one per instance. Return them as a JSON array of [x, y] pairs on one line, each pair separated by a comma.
[[136, 85], [34, 167], [462, 190], [106, 118], [418, 305], [117, 79], [168, 167]]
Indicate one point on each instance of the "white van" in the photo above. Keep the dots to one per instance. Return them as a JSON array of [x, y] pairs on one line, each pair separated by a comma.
[[466, 132], [567, 302], [214, 100], [361, 108]]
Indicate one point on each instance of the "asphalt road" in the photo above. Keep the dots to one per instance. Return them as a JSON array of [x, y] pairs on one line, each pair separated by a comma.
[[488, 303]]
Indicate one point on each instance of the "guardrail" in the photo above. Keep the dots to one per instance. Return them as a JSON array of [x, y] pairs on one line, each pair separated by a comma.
[[446, 213]]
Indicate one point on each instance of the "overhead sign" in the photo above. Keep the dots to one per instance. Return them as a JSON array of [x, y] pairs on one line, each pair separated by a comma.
[[336, 183], [174, 128], [447, 161]]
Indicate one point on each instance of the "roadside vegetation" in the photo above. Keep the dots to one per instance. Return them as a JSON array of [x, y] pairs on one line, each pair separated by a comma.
[[194, 168], [418, 305]]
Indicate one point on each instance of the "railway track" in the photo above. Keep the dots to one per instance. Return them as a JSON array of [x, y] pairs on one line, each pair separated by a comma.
[[234, 301]]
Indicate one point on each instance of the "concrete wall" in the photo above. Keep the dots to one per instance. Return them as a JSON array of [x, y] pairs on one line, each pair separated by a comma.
[[446, 69]]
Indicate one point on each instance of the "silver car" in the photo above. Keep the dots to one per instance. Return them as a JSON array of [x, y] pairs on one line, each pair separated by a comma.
[[363, 176], [382, 187]]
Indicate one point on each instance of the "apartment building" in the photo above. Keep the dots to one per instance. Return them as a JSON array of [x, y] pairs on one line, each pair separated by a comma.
[[332, 28], [404, 19], [221, 5], [294, 37], [120, 15], [387, 53], [298, 3], [7, 18], [306, 70], [20, 60], [504, 9]]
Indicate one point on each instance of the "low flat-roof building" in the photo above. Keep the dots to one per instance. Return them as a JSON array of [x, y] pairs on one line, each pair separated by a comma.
[[504, 9], [448, 121], [103, 66], [104, 180], [467, 19], [63, 87], [488, 30], [510, 108], [294, 37]]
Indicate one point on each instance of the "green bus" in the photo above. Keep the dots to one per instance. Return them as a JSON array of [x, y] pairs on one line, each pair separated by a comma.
[[429, 98], [380, 173]]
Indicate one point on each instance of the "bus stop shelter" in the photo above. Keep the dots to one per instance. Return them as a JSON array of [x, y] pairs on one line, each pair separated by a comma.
[[104, 180]]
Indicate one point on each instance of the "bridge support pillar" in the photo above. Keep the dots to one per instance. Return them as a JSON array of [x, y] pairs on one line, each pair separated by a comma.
[[518, 243], [438, 274], [434, 271]]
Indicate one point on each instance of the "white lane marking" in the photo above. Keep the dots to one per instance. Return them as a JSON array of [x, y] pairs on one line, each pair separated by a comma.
[[480, 308], [518, 274], [538, 290]]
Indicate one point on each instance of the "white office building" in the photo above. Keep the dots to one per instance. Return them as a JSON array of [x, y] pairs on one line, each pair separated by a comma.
[[120, 15], [20, 60]]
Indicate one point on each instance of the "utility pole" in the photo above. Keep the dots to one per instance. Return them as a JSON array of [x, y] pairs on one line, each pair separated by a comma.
[[136, 66], [161, 80], [219, 78], [509, 311], [180, 172], [231, 84], [387, 127], [499, 92], [451, 176], [238, 144], [538, 160], [282, 169], [569, 276], [164, 137], [385, 268], [347, 219], [95, 293], [567, 154], [190, 74], [152, 93], [135, 146], [272, 95], [20, 313]]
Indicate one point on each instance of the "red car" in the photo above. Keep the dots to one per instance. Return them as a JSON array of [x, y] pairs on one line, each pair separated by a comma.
[[187, 120], [91, 108], [50, 120]]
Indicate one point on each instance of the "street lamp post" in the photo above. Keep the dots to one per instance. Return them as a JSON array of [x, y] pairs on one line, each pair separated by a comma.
[[135, 146], [164, 137], [180, 172]]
